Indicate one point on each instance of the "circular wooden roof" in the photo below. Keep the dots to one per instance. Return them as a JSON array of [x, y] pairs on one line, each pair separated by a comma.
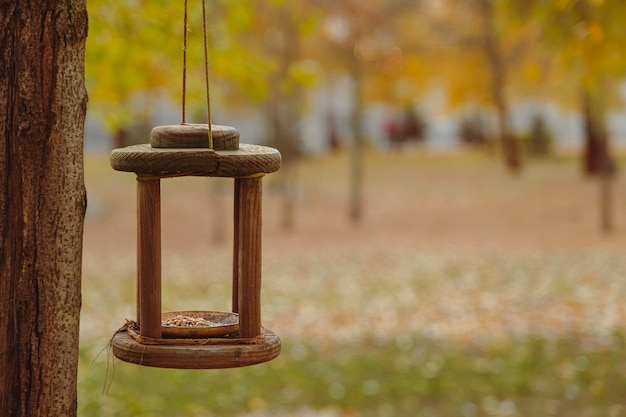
[[145, 160]]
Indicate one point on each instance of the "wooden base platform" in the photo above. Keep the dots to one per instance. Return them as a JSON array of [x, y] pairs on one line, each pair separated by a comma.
[[209, 356]]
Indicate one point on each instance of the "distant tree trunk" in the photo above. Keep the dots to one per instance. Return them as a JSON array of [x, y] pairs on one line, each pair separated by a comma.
[[332, 137], [595, 151], [42, 204], [597, 159], [509, 145], [606, 197], [356, 122], [285, 138], [285, 112]]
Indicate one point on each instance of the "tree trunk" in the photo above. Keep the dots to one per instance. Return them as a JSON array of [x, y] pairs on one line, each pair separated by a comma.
[[509, 146], [356, 123], [285, 109], [597, 159], [284, 132], [42, 204], [606, 199], [595, 152]]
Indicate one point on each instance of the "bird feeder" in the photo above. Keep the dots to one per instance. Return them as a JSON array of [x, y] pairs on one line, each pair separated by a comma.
[[222, 339]]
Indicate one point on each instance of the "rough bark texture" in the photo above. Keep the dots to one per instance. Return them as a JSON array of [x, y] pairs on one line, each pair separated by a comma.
[[42, 203]]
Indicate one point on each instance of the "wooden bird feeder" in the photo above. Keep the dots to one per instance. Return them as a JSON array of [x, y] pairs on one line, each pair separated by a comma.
[[225, 339]]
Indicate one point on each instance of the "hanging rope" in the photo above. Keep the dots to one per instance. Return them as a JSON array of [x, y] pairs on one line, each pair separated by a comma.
[[206, 73], [185, 30], [206, 69]]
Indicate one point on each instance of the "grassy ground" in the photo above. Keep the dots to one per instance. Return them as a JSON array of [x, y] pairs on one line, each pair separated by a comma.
[[463, 292]]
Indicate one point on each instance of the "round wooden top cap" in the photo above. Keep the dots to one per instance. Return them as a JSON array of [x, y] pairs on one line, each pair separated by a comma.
[[144, 160], [183, 150], [224, 138]]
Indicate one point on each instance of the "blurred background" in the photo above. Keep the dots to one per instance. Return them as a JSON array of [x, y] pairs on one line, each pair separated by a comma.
[[444, 237]]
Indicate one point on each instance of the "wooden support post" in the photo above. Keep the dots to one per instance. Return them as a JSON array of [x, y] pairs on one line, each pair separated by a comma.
[[236, 208], [149, 256], [249, 255]]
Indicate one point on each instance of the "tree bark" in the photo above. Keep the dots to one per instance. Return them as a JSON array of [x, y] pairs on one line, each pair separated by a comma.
[[42, 204]]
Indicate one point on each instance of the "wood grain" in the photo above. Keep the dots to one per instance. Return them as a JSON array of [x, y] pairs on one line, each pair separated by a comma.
[[247, 165], [225, 138], [163, 162], [249, 259], [196, 356], [149, 257], [236, 215]]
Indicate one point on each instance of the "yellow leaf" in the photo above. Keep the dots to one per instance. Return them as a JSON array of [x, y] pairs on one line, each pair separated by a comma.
[[563, 4], [595, 32], [533, 72]]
